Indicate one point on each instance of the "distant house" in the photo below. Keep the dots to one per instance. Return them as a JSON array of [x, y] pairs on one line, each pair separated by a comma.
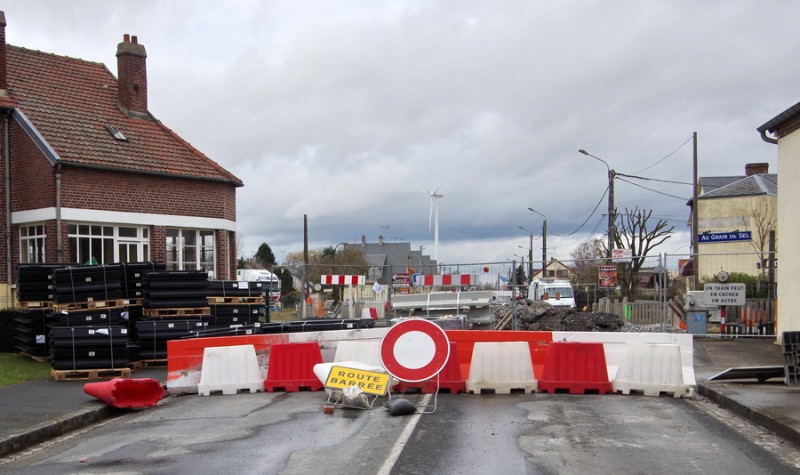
[[387, 258], [555, 269], [91, 176], [735, 215], [783, 131]]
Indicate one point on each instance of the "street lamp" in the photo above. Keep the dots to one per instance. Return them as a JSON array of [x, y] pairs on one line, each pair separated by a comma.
[[530, 252], [611, 210], [544, 240]]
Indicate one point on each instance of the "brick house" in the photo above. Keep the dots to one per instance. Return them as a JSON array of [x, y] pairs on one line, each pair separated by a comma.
[[90, 175]]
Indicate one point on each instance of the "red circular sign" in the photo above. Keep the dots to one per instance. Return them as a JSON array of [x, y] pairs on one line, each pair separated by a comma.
[[414, 350]]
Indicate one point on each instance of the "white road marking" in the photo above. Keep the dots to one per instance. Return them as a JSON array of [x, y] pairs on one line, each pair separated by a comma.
[[401, 442]]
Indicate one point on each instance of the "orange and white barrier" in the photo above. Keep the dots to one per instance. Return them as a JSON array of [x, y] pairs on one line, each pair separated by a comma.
[[637, 369]]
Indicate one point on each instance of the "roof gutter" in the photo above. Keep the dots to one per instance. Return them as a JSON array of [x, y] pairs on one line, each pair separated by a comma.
[[767, 138], [7, 184]]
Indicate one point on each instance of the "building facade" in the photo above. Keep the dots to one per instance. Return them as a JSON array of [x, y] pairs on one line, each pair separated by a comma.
[[782, 130], [735, 217], [90, 176]]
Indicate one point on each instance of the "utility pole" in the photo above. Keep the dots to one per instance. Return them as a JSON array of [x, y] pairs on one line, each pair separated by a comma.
[[695, 231]]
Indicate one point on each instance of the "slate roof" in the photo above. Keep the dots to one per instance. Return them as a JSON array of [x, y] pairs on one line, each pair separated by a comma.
[[753, 185], [71, 101]]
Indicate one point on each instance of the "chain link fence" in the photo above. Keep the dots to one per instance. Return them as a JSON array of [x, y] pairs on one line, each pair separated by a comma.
[[643, 290]]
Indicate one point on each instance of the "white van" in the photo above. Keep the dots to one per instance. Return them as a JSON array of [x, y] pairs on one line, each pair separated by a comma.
[[556, 292]]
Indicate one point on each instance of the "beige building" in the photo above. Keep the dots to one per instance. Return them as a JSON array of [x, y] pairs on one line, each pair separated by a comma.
[[783, 131], [735, 217]]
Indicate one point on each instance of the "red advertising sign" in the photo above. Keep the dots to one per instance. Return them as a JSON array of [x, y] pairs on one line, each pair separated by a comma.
[[607, 276]]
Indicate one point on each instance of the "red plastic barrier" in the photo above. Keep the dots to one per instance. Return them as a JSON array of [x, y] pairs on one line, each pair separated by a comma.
[[291, 367], [185, 357], [575, 367], [127, 393], [465, 342], [450, 378]]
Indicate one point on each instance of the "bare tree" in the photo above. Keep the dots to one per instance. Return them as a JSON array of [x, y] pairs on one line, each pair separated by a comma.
[[635, 231], [763, 219], [586, 258]]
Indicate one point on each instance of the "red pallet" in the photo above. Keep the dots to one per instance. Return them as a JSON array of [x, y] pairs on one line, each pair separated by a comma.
[[576, 368], [291, 367]]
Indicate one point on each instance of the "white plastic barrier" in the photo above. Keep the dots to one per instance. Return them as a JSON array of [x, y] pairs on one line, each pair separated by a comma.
[[364, 351], [329, 340], [230, 369], [651, 369], [614, 347], [502, 367]]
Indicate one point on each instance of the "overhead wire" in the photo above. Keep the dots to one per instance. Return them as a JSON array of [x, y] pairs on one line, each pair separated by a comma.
[[587, 218], [654, 191], [667, 156]]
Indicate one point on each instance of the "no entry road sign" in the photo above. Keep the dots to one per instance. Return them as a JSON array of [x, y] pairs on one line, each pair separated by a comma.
[[415, 350]]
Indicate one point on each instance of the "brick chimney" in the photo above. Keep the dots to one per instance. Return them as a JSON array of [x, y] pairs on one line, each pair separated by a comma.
[[756, 169], [3, 74], [132, 72]]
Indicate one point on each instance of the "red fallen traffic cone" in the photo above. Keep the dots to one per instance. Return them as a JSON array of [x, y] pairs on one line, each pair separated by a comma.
[[126, 392]]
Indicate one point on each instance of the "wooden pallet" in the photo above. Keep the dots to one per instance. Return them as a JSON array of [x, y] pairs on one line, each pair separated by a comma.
[[236, 300], [131, 302], [93, 305], [78, 374], [178, 312], [143, 364], [36, 305]]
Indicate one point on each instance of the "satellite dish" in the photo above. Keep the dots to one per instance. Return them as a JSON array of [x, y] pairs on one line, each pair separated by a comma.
[[722, 276], [317, 287]]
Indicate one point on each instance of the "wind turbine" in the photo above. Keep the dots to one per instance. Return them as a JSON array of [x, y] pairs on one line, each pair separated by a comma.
[[433, 216]]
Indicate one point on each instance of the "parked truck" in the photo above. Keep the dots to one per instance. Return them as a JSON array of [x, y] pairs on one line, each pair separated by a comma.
[[556, 292], [270, 282]]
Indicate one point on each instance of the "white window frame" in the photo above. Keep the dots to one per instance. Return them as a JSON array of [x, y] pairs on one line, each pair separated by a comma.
[[183, 256], [76, 234], [32, 244]]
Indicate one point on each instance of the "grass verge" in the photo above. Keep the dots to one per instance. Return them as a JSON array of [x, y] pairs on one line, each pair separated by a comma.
[[16, 368]]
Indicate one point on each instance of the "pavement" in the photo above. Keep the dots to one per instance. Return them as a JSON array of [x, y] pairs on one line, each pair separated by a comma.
[[38, 411]]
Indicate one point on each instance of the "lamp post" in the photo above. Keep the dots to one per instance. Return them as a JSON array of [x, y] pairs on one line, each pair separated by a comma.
[[611, 210], [530, 252], [544, 240]]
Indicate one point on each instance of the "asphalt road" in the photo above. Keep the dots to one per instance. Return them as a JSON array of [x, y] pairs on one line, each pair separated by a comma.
[[288, 433]]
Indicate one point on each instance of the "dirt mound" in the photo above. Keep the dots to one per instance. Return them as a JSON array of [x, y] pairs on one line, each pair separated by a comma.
[[540, 316]]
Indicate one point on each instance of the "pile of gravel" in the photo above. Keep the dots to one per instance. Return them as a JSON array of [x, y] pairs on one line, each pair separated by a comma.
[[541, 316]]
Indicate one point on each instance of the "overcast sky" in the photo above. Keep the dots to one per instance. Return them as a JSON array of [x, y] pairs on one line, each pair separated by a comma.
[[345, 111]]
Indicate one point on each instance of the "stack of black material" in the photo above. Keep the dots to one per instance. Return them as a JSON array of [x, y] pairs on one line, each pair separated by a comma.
[[31, 328], [35, 282], [177, 305], [317, 325], [134, 275], [237, 303], [89, 329], [85, 347], [35, 292], [176, 289], [152, 335], [75, 284]]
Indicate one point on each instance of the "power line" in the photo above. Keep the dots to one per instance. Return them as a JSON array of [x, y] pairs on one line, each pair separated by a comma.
[[652, 179], [587, 218], [655, 191], [666, 157]]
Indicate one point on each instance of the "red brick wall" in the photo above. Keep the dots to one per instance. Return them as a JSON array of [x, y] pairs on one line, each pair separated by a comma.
[[33, 183], [117, 191], [33, 186]]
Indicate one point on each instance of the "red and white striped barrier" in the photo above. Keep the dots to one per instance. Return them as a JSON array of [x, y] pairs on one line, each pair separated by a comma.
[[343, 279], [442, 279]]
